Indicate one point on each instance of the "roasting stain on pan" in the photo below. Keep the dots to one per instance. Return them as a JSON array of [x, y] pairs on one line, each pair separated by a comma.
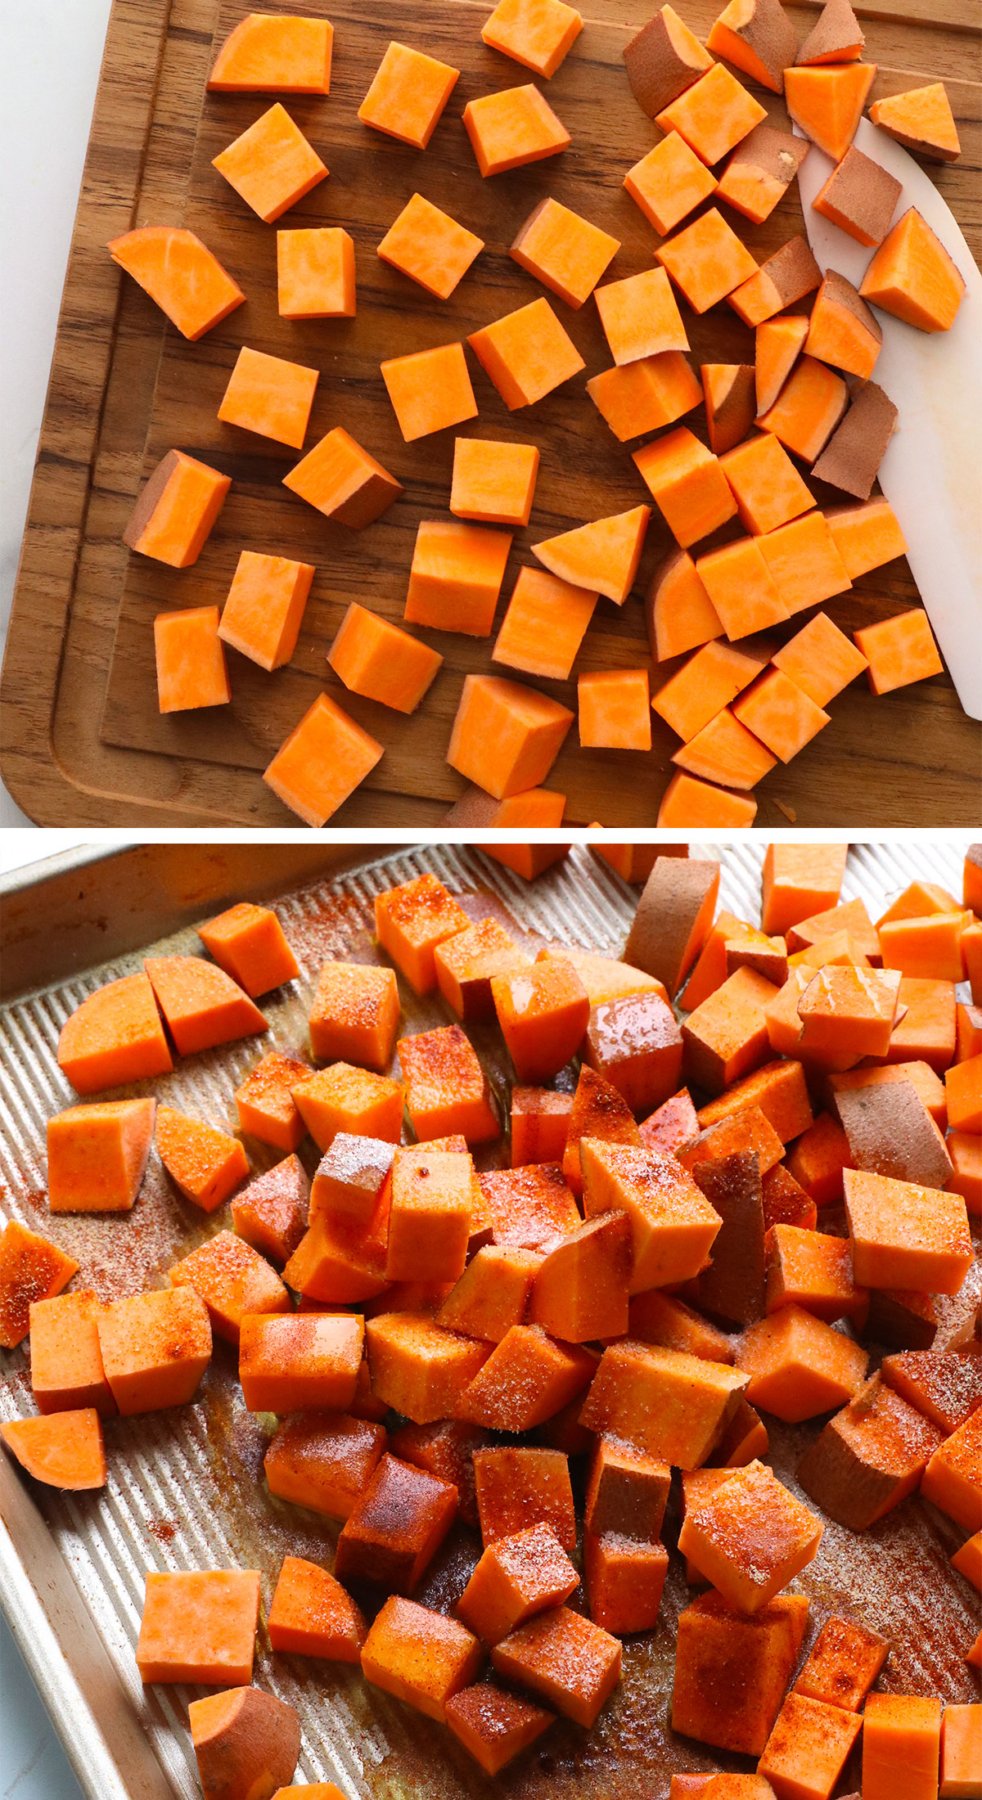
[[187, 1488]]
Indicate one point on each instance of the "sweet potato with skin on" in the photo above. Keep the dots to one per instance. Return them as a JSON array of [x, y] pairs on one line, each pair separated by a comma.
[[176, 510], [31, 1269], [732, 1286], [868, 1458], [728, 392], [246, 1744], [662, 60], [180, 274], [758, 37], [760, 171], [673, 918], [64, 1450], [783, 279], [679, 614], [860, 197], [842, 330], [921, 119], [523, 1485], [836, 37]]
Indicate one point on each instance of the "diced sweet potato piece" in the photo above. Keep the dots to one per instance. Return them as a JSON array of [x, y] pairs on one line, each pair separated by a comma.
[[842, 1665], [745, 596], [526, 728], [323, 1461], [679, 613], [602, 556], [783, 279], [205, 1164], [494, 1726], [944, 1385], [835, 37], [233, 1280], [272, 165], [921, 119], [777, 346], [519, 1486], [114, 1036], [778, 1090], [672, 1226], [513, 128], [828, 102], [846, 1013], [579, 1291], [820, 659], [199, 1626], [344, 1098], [569, 256], [466, 962], [417, 1367], [539, 1125], [961, 1750], [798, 1366], [429, 390], [808, 1747], [891, 1132], [806, 567], [906, 1235], [516, 1577], [62, 1451], [732, 1669], [786, 1202], [634, 1043], [537, 33], [289, 1364], [429, 1218], [446, 1088], [669, 183], [378, 660], [311, 1614], [758, 38], [860, 196], [780, 714], [842, 330], [760, 171], [266, 54], [201, 1004], [456, 576], [732, 1287], [31, 1269], [264, 1101], [180, 274], [529, 1204], [566, 1659], [673, 918], [543, 1013], [953, 1477], [430, 247], [767, 487], [913, 277], [728, 392], [527, 1379], [315, 271], [269, 396], [750, 1536], [492, 1294], [726, 1036], [868, 1458], [354, 1015], [351, 1180], [408, 94], [246, 1743], [155, 1348], [270, 1213], [901, 1743], [66, 1362], [707, 260], [657, 1318], [712, 115], [644, 395], [97, 1155], [395, 1527], [626, 1494], [662, 60], [624, 1580], [688, 484], [670, 1405], [248, 942], [810, 1269]]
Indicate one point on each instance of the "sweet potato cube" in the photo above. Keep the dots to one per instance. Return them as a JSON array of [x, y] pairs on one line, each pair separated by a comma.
[[494, 1726], [688, 484], [842, 1664], [512, 128], [953, 1477], [564, 251], [901, 1745], [745, 597], [672, 1226], [783, 279], [66, 1362], [765, 483], [868, 1458], [289, 1364], [944, 1385], [429, 390], [961, 1751], [527, 1379], [429, 1219], [777, 1089], [270, 1213], [922, 120], [530, 1205], [732, 1669], [445, 1448], [810, 1269], [669, 1405], [351, 1180], [430, 247], [749, 1537], [713, 114], [205, 1164], [527, 353], [395, 1527], [707, 260], [417, 1367], [786, 1202], [517, 1576], [726, 1036], [175, 512], [847, 1013], [624, 1580], [492, 1294], [202, 1005], [728, 391], [798, 1366], [842, 329], [905, 1235], [408, 94], [913, 277], [199, 1626], [180, 274], [760, 172], [627, 1493], [63, 1451], [635, 1044], [808, 1747], [190, 659], [422, 1657], [272, 165], [354, 1015], [692, 696], [315, 273], [564, 1658], [446, 1088], [97, 1155], [780, 714], [579, 1292], [456, 576], [270, 396], [493, 482], [599, 1111], [658, 1318], [968, 1560], [237, 1732], [466, 962], [519, 1486], [538, 35], [732, 1286], [543, 1013], [820, 659], [828, 102], [266, 54], [264, 1101], [745, 1438], [311, 1614], [323, 1461], [644, 395], [613, 706], [669, 183], [411, 920], [602, 556], [527, 728], [31, 1269], [155, 1348], [248, 941], [343, 1098], [326, 756], [233, 1280]]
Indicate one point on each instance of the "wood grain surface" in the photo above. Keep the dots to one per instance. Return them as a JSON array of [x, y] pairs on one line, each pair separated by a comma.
[[83, 740]]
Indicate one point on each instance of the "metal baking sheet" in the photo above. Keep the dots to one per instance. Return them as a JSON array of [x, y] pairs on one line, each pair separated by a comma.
[[186, 1489]]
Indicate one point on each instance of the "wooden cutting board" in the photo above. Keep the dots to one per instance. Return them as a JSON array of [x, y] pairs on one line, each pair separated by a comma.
[[83, 741]]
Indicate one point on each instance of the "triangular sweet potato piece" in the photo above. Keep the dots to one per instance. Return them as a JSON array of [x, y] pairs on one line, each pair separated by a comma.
[[201, 1004], [913, 277], [758, 38], [828, 103], [599, 1111], [602, 556], [835, 37], [922, 119]]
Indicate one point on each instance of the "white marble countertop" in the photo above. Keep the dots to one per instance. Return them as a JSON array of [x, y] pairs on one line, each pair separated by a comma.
[[52, 53]]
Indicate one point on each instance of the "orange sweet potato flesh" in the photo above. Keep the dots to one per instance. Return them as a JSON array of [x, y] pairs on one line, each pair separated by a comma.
[[512, 128], [180, 274], [97, 1155], [913, 277], [375, 658], [270, 55], [614, 713], [526, 728], [246, 1743], [724, 751], [678, 611], [921, 119], [31, 1269], [199, 1626], [264, 610], [602, 556], [114, 1036], [176, 510], [201, 1004], [62, 1450], [312, 1615], [687, 802], [828, 103], [537, 33], [321, 763], [190, 660], [248, 942]]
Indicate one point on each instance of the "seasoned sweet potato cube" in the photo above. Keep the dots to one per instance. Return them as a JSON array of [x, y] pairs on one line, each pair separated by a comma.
[[324, 1460], [238, 1731], [819, 1159], [786, 1202], [516, 1577], [446, 1087], [395, 1527], [446, 1449], [599, 1110], [492, 1294], [747, 1131], [726, 1036], [354, 1015], [311, 1614], [199, 1626], [155, 1348], [732, 1287], [842, 1664], [671, 1124], [205, 1164], [522, 1485], [66, 1362], [732, 1669], [265, 1105], [417, 1367], [672, 1225], [339, 1264], [543, 1013], [953, 1477], [868, 1458], [539, 1125], [904, 1235], [811, 1269], [270, 1213], [343, 1098], [635, 1044], [798, 1366], [289, 1364], [961, 1751], [527, 1379], [411, 920], [744, 1439], [351, 1180], [566, 1659], [579, 1291], [31, 1269], [466, 962], [901, 1746], [97, 1155], [847, 1013], [669, 1405], [627, 1493], [430, 1214], [808, 1747], [749, 1537], [233, 1280], [624, 1580], [494, 1726], [529, 1205], [420, 1656], [891, 1132], [944, 1385], [658, 1318]]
